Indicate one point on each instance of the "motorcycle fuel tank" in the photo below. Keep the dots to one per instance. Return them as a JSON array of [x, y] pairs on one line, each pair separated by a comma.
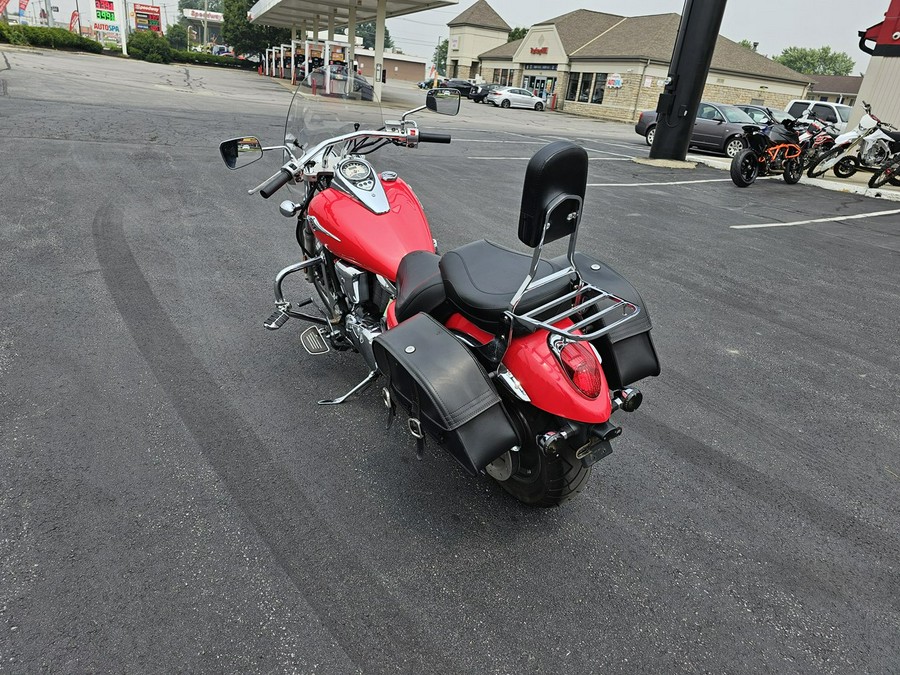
[[375, 242]]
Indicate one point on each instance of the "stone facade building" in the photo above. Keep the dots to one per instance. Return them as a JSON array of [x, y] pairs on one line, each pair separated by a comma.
[[476, 30], [613, 67]]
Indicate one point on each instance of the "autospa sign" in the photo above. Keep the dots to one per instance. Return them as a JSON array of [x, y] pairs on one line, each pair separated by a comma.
[[105, 17], [146, 17]]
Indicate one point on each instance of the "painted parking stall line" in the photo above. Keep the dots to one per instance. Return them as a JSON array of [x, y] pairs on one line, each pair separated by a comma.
[[590, 159], [674, 182], [833, 219]]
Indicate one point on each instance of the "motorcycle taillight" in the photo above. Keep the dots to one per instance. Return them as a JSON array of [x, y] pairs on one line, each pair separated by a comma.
[[581, 365]]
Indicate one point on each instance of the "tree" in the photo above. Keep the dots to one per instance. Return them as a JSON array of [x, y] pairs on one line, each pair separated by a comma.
[[366, 30], [440, 56], [516, 34], [177, 36], [749, 45], [245, 37], [821, 61]]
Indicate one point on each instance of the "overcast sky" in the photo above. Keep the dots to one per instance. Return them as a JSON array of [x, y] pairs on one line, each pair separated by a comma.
[[775, 24]]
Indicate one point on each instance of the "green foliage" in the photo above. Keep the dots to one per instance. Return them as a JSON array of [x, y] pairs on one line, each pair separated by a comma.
[[516, 34], [821, 61], [148, 45], [213, 5], [52, 38], [204, 59], [749, 45], [177, 36], [247, 38], [440, 56], [366, 30]]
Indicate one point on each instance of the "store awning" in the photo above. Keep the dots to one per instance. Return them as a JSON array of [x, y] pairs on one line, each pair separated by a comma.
[[290, 13]]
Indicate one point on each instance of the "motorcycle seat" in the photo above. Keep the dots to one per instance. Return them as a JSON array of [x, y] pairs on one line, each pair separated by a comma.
[[481, 278], [893, 134], [420, 287]]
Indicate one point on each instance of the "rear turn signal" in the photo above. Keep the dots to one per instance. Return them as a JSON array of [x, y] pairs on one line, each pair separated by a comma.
[[583, 369]]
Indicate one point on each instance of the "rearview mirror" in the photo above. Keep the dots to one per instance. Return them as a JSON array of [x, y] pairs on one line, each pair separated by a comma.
[[239, 152], [443, 101]]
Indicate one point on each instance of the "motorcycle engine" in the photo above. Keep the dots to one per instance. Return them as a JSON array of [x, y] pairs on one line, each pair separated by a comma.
[[876, 154]]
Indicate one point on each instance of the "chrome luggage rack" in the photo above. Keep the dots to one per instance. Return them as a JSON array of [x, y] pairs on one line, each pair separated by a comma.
[[582, 298]]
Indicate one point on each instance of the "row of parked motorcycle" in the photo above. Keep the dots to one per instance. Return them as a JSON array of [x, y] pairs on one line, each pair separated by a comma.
[[781, 148]]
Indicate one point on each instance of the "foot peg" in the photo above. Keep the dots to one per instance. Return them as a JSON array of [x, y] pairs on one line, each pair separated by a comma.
[[277, 320], [313, 342]]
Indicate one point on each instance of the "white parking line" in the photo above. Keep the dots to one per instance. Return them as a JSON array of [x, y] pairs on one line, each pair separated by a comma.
[[674, 182], [818, 220], [479, 140]]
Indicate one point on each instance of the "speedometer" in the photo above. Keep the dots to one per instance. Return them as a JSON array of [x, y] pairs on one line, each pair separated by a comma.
[[355, 170]]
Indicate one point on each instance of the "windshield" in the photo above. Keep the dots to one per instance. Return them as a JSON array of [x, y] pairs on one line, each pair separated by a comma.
[[736, 115], [330, 101], [844, 111], [781, 116]]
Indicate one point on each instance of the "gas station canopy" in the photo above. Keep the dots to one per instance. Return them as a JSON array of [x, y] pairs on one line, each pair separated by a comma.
[[290, 13]]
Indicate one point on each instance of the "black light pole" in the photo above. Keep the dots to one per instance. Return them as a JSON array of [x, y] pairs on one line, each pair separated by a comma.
[[691, 57]]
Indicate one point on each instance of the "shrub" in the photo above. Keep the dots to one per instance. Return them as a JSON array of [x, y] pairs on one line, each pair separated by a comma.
[[53, 38], [204, 59], [147, 45]]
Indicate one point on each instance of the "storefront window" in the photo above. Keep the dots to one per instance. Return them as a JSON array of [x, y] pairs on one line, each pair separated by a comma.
[[587, 79], [599, 88], [572, 91]]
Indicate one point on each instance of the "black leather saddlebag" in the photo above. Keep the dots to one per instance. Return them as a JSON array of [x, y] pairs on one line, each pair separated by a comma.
[[627, 351], [445, 391]]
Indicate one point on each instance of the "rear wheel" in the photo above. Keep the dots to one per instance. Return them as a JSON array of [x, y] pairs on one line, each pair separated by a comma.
[[535, 477], [793, 169], [651, 134], [734, 147], [846, 167], [505, 104], [744, 168]]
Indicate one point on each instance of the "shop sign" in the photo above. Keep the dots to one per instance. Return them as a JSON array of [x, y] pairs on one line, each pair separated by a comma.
[[614, 81], [540, 50]]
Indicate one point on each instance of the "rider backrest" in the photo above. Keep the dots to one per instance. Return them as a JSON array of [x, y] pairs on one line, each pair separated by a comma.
[[553, 195]]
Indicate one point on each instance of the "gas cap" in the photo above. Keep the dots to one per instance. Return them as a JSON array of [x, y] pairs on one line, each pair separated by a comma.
[[388, 176]]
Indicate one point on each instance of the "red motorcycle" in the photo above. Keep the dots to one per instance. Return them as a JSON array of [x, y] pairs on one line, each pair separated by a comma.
[[512, 362]]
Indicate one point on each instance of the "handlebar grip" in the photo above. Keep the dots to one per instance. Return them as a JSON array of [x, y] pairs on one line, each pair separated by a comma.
[[275, 183], [426, 137]]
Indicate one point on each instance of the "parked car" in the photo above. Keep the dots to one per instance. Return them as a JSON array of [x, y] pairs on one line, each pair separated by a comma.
[[464, 86], [718, 127], [763, 115], [429, 83], [479, 93], [512, 97], [835, 113]]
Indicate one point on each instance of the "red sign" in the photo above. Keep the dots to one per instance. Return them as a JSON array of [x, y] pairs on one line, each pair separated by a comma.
[[23, 5], [73, 21], [146, 17], [539, 50], [3, 4]]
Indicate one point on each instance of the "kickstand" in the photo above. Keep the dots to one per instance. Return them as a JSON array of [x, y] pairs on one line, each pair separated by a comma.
[[369, 379]]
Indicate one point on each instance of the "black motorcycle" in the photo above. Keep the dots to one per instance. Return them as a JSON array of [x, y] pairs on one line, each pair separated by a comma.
[[770, 150]]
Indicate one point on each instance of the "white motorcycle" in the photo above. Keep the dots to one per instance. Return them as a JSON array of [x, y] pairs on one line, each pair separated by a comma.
[[866, 148]]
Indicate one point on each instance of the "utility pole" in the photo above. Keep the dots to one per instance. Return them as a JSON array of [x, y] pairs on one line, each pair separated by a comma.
[[678, 104], [49, 5], [205, 22]]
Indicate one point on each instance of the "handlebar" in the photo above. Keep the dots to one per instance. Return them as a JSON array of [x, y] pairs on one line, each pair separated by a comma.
[[275, 183], [428, 137]]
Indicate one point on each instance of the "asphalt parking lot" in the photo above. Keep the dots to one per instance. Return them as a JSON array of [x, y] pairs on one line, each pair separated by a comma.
[[172, 499]]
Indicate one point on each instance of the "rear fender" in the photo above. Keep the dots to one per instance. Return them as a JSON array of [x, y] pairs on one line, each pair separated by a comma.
[[530, 360]]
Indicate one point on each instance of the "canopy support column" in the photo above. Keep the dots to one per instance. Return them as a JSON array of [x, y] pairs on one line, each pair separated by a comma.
[[380, 18]]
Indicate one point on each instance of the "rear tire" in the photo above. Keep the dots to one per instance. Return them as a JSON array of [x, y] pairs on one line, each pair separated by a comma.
[[651, 134], [734, 146], [744, 168], [504, 104], [539, 479], [845, 167], [793, 169]]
